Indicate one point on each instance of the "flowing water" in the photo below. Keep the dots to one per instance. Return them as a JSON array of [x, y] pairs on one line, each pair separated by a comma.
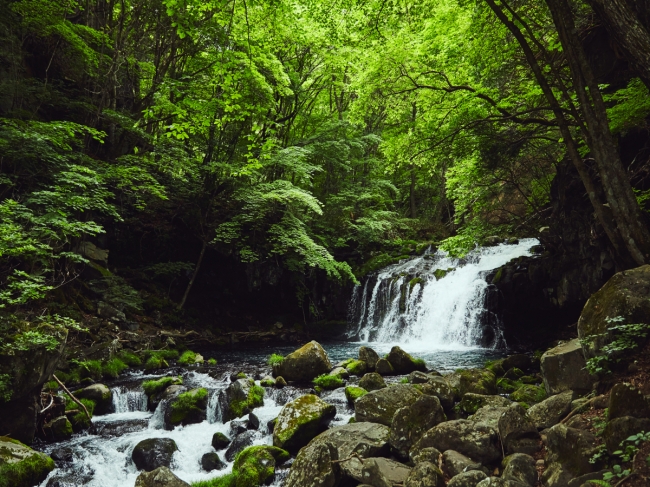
[[443, 320]]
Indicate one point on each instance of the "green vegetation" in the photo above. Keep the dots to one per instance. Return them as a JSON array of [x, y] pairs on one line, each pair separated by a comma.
[[212, 361], [254, 399], [186, 404], [327, 381], [113, 368], [155, 386], [188, 357], [89, 368], [30, 471], [275, 359], [356, 367], [129, 358], [352, 393], [528, 394]]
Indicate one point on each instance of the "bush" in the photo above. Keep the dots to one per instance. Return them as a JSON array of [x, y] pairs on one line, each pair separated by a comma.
[[158, 385], [275, 359], [328, 381], [187, 358], [130, 358], [113, 368]]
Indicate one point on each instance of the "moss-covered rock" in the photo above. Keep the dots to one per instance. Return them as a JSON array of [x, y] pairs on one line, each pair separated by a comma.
[[403, 363], [496, 367], [352, 393], [304, 364], [255, 465], [529, 394], [267, 381], [357, 367], [440, 273], [411, 422], [514, 373], [20, 466], [476, 381], [369, 356], [300, 421], [508, 386], [187, 408], [156, 386], [340, 372], [473, 402], [161, 476], [384, 367], [240, 398], [58, 429], [380, 406], [220, 441], [98, 393], [328, 382], [372, 382]]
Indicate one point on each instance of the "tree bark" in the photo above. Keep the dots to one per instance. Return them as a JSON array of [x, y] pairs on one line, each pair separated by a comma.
[[412, 193], [193, 278]]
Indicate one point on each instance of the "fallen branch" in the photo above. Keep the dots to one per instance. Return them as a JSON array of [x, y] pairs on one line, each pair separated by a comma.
[[354, 455], [49, 405], [72, 397], [580, 408]]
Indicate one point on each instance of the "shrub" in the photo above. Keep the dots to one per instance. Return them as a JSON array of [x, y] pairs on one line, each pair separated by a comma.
[[328, 381], [275, 359], [113, 368]]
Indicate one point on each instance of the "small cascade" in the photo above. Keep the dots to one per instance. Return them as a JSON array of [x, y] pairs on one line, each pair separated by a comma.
[[157, 421], [213, 412], [128, 400], [433, 301]]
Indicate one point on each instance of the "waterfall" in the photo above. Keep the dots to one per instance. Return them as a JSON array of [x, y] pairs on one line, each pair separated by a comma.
[[433, 301], [214, 408], [128, 400]]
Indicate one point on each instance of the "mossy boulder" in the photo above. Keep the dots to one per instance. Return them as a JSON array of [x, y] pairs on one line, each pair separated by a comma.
[[411, 422], [305, 364], [380, 406], [563, 369], [58, 429], [352, 393], [152, 453], [372, 382], [496, 367], [529, 394], [255, 465], [240, 398], [550, 412], [156, 386], [187, 408], [357, 367], [403, 363], [476, 381], [514, 373], [473, 402], [520, 467], [626, 294], [384, 367], [369, 356], [301, 420], [220, 441], [20, 466], [442, 389], [572, 449], [340, 372], [100, 394], [517, 432], [508, 386]]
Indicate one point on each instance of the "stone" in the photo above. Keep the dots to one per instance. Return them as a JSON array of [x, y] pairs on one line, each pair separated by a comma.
[[160, 477], [454, 463], [340, 372], [571, 449], [301, 420], [253, 422], [380, 406], [383, 472], [488, 415], [372, 381], [58, 429], [477, 381], [280, 382], [418, 377], [100, 394], [369, 356], [352, 393], [402, 362], [62, 455], [267, 381], [467, 479], [619, 429], [529, 394], [470, 403], [304, 364], [475, 440], [150, 454], [313, 467], [240, 398], [519, 361], [499, 482], [237, 428], [239, 443], [211, 461], [187, 408], [255, 466], [556, 475], [518, 434], [430, 454], [20, 466], [357, 367], [625, 294], [520, 467], [514, 374], [411, 422], [440, 388], [563, 369], [550, 411], [626, 400], [384, 367], [220, 441], [425, 474]]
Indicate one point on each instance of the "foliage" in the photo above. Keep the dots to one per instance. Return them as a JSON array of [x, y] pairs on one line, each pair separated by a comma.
[[155, 386], [186, 403], [212, 361], [275, 359], [113, 368], [129, 358], [326, 381], [188, 357]]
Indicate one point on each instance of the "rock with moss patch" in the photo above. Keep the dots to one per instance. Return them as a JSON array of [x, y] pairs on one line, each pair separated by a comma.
[[301, 420], [517, 432], [352, 393], [569, 451], [240, 398], [267, 381], [470, 478], [519, 467], [403, 363], [383, 472], [369, 356], [58, 429], [514, 374], [160, 477], [425, 474], [488, 415], [518, 361], [152, 453], [529, 394], [380, 406], [186, 408], [411, 422], [280, 382], [100, 394], [550, 411], [211, 461], [357, 367], [372, 382], [304, 364], [20, 466], [563, 369], [477, 381], [255, 465], [473, 402], [340, 372], [384, 367], [440, 388]]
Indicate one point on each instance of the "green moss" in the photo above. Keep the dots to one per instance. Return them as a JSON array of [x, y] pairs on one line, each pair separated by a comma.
[[158, 385], [497, 277], [420, 364], [91, 369], [188, 358], [357, 367], [227, 480], [267, 382], [241, 375], [186, 404], [113, 368], [256, 464], [166, 354], [440, 273], [51, 386], [130, 358], [155, 362], [508, 386], [352, 393], [30, 471], [496, 367], [529, 394], [413, 282], [212, 361], [328, 381], [404, 380], [376, 262], [254, 399], [275, 359]]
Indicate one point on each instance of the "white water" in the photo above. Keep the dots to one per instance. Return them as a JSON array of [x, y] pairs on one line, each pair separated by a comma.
[[127, 400], [435, 314]]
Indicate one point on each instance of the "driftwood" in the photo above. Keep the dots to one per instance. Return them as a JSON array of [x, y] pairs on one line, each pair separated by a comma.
[[580, 408], [72, 397]]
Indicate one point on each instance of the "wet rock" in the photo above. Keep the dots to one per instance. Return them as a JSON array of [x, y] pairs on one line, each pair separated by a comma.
[[475, 440], [253, 422], [110, 429], [304, 364], [477, 381], [239, 443], [20, 466], [454, 463], [160, 477], [488, 415], [430, 454], [619, 429], [467, 479], [211, 461], [300, 421], [372, 382], [380, 406], [473, 402], [425, 474], [58, 429], [518, 434], [62, 455], [352, 393], [186, 408], [626, 400], [403, 363], [369, 356], [411, 422], [150, 454], [384, 367], [237, 428], [440, 388], [519, 467], [240, 398], [256, 464], [340, 372], [280, 382], [570, 450], [267, 381], [550, 411], [357, 367], [383, 472], [100, 395], [563, 369], [168, 393], [220, 441]]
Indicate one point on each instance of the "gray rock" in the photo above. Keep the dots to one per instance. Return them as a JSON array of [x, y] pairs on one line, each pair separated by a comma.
[[402, 362], [477, 381], [626, 400], [619, 429], [570, 449], [211, 461], [454, 463], [383, 472], [220, 441], [467, 479], [304, 364], [369, 356], [380, 406], [419, 377], [488, 415], [519, 467], [314, 467], [425, 474], [340, 372], [301, 420], [239, 443], [384, 367], [236, 400], [442, 389], [160, 477], [518, 434], [556, 475], [430, 454], [372, 381], [563, 369], [550, 411], [411, 422], [58, 429], [100, 394], [150, 454], [470, 403]]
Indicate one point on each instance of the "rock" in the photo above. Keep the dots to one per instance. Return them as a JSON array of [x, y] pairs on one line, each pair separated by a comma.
[[625, 294], [519, 467], [384, 367], [620, 429], [240, 398], [529, 394], [20, 466], [313, 467], [280, 382], [237, 428], [492, 241], [255, 466], [519, 361], [581, 405], [187, 408], [440, 388], [625, 400], [425, 474], [467, 479], [518, 434], [357, 367], [403, 363], [380, 406], [369, 356], [550, 411], [556, 475], [58, 429], [105, 310], [352, 393], [62, 455], [167, 394], [100, 394], [430, 454], [579, 422], [473, 402], [563, 369], [570, 449], [475, 440], [253, 422], [383, 472], [160, 477], [488, 415], [304, 364], [583, 480], [267, 381], [454, 463], [300, 421], [514, 374], [239, 443], [340, 372], [150, 454], [220, 441], [211, 461], [418, 377], [499, 482], [372, 382], [477, 381], [411, 422]]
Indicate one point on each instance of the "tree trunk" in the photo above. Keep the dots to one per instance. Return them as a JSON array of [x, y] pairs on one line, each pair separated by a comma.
[[193, 278], [412, 193], [629, 31]]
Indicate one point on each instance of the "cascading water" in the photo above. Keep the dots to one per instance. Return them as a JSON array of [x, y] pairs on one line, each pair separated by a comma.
[[128, 400], [433, 301]]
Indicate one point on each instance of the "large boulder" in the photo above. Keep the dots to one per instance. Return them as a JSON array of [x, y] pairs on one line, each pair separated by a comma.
[[488, 415], [476, 381], [467, 479], [372, 382], [384, 367], [301, 420], [563, 369], [411, 422], [454, 463], [425, 474], [304, 364], [619, 429], [626, 400], [160, 477], [383, 472], [380, 406], [20, 466], [520, 467], [369, 356], [550, 411], [240, 398], [58, 429], [100, 394], [571, 449], [186, 408], [440, 388], [150, 454], [475, 440], [402, 362], [518, 433], [625, 294], [473, 402], [313, 466]]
